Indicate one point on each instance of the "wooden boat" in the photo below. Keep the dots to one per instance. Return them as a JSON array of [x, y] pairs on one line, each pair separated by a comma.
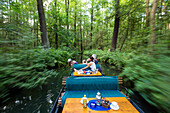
[[74, 88]]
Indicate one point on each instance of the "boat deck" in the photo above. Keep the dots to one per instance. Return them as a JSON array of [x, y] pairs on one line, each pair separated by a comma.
[[75, 86], [73, 105]]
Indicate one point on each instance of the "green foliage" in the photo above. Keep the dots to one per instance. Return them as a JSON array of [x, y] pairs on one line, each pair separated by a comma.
[[149, 74], [23, 63], [116, 58], [23, 66], [151, 78], [29, 68]]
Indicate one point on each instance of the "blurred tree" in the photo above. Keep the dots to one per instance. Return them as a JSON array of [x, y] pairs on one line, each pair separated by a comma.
[[116, 27], [75, 18], [67, 16], [56, 26], [43, 29], [91, 34], [153, 28], [147, 13]]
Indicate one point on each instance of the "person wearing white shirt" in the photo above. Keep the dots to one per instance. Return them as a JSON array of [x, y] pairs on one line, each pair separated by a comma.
[[91, 64]]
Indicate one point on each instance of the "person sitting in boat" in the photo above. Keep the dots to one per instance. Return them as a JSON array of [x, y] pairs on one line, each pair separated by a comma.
[[71, 63], [95, 58], [96, 62], [91, 64]]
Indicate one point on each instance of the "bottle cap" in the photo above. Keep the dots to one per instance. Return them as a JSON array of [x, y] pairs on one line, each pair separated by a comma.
[[98, 93]]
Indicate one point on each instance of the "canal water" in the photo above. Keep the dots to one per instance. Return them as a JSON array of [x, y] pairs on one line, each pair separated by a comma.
[[41, 99]]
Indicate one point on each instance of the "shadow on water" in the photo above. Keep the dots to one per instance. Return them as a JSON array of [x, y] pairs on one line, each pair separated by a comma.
[[41, 99]]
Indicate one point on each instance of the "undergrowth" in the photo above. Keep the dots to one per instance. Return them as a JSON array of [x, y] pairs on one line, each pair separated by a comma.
[[149, 74], [29, 68]]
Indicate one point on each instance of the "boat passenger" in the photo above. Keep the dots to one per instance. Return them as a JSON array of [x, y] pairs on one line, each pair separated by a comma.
[[91, 64], [71, 63], [95, 58], [96, 62]]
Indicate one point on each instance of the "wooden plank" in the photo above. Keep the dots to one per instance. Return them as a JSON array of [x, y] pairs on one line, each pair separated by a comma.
[[120, 82], [64, 78], [73, 105], [63, 83], [119, 77]]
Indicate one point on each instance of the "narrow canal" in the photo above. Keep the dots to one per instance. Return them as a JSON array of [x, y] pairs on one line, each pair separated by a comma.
[[41, 99]]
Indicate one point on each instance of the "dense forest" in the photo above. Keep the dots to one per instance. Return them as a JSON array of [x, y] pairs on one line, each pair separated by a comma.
[[36, 37]]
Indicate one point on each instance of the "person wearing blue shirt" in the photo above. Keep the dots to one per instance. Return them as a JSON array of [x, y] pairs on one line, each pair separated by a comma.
[[96, 62], [95, 58]]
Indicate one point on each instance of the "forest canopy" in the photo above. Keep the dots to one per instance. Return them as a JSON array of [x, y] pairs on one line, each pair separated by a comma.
[[38, 36]]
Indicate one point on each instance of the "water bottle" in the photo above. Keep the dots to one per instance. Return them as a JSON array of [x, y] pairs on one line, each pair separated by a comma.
[[97, 71], [84, 101]]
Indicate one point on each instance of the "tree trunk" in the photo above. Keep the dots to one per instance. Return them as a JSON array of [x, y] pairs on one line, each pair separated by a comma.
[[34, 31], [116, 27], [107, 32], [91, 26], [9, 3], [56, 26], [152, 22], [67, 8], [161, 15], [83, 36], [126, 36], [37, 33], [87, 40], [167, 26], [81, 46], [147, 13], [44, 38], [75, 23]]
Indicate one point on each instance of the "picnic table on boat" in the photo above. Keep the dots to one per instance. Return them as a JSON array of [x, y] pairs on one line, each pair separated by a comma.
[[97, 74], [73, 105]]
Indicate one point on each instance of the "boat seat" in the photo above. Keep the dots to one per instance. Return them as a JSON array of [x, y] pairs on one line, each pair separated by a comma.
[[76, 87], [90, 94], [92, 83], [80, 66]]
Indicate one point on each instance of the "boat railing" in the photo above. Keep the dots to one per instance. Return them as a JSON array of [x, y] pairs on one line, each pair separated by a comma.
[[55, 106], [123, 87]]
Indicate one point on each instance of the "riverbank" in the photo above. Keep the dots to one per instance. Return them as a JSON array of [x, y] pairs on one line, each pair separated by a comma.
[[27, 69]]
